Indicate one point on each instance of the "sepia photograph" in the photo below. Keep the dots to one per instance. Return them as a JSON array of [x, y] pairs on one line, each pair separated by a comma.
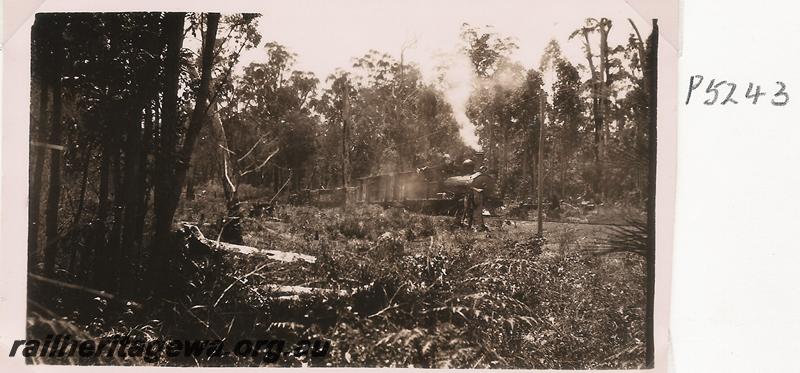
[[344, 184]]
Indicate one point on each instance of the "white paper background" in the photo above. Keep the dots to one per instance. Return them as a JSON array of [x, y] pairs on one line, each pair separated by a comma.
[[735, 293], [12, 259], [736, 299]]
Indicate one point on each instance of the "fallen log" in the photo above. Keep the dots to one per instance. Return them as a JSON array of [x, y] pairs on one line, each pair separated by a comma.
[[302, 290], [278, 292], [293, 293], [281, 256]]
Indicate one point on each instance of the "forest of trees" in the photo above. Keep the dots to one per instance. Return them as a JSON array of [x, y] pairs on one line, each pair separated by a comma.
[[131, 112]]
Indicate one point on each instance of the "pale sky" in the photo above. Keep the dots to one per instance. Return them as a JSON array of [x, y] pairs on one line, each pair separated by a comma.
[[327, 35]]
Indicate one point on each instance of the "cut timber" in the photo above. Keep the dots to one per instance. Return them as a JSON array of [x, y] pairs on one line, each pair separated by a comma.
[[281, 256], [303, 290], [294, 293]]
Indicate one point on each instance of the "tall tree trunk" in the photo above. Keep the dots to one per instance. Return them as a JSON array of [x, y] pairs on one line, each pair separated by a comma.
[[532, 150], [345, 153], [190, 183], [54, 189], [597, 116], [35, 187], [164, 175], [605, 83], [598, 142], [492, 153], [540, 167], [169, 189], [564, 165], [138, 132], [148, 146], [199, 114], [168, 134], [505, 161], [134, 195], [114, 244], [231, 230], [651, 74], [76, 220], [100, 266], [39, 69]]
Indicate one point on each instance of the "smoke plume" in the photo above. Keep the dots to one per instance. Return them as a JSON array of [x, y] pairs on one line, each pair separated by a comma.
[[457, 77]]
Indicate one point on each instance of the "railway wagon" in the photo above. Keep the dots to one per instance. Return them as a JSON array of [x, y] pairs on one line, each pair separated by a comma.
[[425, 190], [405, 189], [396, 187]]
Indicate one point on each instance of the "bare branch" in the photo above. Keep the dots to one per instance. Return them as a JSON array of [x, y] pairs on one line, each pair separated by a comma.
[[227, 175], [252, 148], [226, 149], [262, 163], [639, 43], [283, 186]]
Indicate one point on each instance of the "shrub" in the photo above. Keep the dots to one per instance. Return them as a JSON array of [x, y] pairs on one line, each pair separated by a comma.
[[500, 299]]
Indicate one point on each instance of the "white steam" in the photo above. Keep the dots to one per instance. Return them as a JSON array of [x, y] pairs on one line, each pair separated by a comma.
[[457, 78]]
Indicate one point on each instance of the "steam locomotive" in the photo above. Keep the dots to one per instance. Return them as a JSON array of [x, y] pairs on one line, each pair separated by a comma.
[[428, 189]]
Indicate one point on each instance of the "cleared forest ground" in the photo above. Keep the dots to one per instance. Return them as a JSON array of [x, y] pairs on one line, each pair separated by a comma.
[[387, 287], [412, 290]]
